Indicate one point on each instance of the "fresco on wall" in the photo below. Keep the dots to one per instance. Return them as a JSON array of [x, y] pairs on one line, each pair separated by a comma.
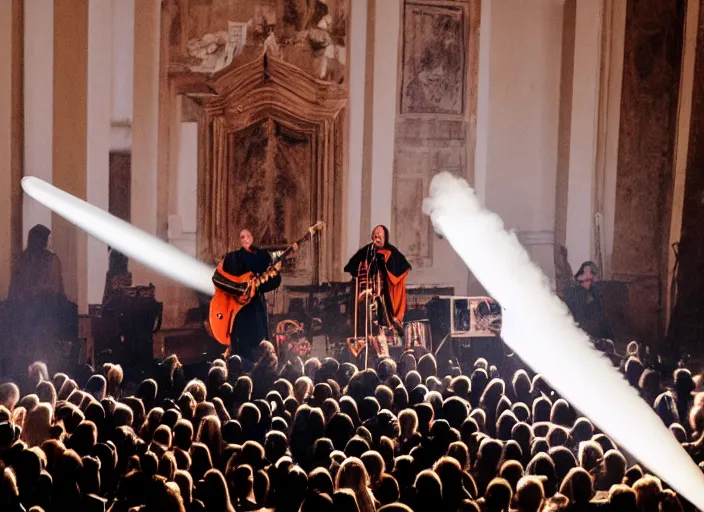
[[433, 76], [208, 35]]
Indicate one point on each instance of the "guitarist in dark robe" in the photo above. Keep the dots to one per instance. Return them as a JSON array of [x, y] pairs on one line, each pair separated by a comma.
[[251, 324], [380, 257]]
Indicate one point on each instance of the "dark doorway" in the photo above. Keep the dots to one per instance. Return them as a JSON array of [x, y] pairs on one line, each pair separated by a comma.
[[120, 183]]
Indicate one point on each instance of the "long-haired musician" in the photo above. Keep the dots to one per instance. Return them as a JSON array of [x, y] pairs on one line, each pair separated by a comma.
[[381, 259]]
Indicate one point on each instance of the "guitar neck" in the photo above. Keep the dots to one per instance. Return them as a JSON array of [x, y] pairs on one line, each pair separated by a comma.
[[272, 271]]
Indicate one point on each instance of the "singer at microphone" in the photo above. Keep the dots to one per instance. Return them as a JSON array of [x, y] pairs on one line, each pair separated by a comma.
[[381, 258]]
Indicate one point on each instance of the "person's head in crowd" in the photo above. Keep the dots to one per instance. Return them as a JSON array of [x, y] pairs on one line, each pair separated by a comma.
[[670, 502], [197, 389], [386, 368], [633, 370], [319, 480], [649, 385], [679, 432], [46, 392], [451, 476], [96, 386], [578, 486], [38, 372], [498, 496], [512, 472], [315, 501], [427, 366], [37, 424], [633, 474], [479, 380], [216, 496], [353, 475], [542, 465], [521, 386], [648, 491], [345, 500], [614, 468], [429, 489], [666, 407], [529, 495], [622, 498]]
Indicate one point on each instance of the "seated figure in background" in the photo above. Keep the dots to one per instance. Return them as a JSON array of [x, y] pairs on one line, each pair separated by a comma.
[[585, 302], [38, 270], [117, 277]]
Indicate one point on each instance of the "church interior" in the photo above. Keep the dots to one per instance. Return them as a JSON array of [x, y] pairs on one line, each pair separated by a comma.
[[310, 131], [577, 122]]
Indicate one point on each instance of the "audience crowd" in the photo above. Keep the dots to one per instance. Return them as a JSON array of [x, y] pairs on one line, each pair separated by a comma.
[[318, 436]]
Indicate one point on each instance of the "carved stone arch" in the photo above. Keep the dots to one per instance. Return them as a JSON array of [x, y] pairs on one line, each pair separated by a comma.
[[271, 159]]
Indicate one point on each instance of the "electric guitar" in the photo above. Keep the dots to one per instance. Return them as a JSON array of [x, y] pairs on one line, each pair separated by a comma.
[[232, 293]]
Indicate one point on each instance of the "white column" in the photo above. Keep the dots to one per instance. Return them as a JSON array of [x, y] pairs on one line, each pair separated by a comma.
[[483, 101], [583, 133], [98, 134], [613, 42], [357, 44], [38, 104], [122, 74], [386, 54], [145, 122], [182, 227]]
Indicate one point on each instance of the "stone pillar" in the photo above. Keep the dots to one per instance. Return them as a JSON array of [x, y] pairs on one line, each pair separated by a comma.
[[70, 138], [38, 104], [583, 143], [145, 114], [357, 51], [649, 99], [145, 123], [98, 135], [386, 54], [11, 136], [682, 139], [687, 328], [612, 46]]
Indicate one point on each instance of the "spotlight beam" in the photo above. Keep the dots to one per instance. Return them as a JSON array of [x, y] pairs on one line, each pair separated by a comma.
[[538, 326], [129, 240]]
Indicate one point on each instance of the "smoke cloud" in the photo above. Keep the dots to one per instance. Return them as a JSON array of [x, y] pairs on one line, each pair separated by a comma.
[[538, 326]]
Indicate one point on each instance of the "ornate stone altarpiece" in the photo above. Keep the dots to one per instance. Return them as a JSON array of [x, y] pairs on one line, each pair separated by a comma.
[[269, 78]]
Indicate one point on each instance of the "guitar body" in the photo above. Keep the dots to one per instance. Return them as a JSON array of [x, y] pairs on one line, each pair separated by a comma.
[[224, 306]]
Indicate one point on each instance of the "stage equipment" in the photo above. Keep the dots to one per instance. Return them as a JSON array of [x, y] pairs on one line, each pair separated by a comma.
[[232, 293], [290, 337], [417, 334], [469, 328], [380, 344], [123, 329]]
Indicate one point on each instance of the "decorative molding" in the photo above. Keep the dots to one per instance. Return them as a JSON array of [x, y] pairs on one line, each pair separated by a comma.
[[531, 238], [268, 99]]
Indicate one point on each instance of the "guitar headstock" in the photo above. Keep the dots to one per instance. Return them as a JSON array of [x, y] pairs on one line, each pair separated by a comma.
[[316, 227]]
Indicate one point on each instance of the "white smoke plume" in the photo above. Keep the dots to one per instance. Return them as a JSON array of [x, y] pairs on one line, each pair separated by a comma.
[[538, 326], [123, 236]]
